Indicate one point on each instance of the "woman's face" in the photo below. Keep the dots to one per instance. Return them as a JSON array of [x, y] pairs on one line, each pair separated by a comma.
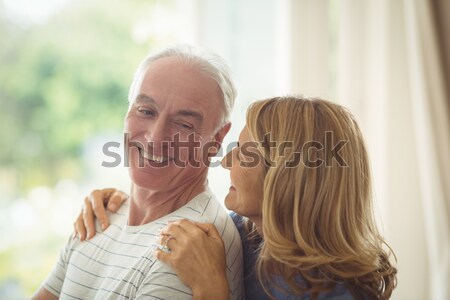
[[246, 167]]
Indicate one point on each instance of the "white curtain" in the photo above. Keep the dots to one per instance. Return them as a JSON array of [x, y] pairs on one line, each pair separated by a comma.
[[386, 61], [427, 59]]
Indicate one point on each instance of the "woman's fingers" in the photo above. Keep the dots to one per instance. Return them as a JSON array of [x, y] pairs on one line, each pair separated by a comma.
[[94, 207], [96, 200], [173, 229], [88, 218], [79, 228], [185, 229], [110, 198], [162, 256], [116, 200], [166, 243], [209, 229], [196, 253]]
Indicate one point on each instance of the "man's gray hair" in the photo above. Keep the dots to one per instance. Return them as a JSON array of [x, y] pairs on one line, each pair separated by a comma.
[[210, 63]]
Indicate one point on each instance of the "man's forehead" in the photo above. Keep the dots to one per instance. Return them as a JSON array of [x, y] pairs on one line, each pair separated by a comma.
[[196, 92]]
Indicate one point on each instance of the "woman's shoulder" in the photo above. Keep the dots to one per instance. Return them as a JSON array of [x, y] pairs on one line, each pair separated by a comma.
[[339, 292], [237, 219], [239, 222]]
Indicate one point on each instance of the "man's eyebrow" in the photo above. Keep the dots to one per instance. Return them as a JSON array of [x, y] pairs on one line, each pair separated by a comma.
[[184, 112], [145, 98], [192, 114]]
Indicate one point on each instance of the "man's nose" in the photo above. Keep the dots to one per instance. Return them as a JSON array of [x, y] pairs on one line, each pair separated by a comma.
[[158, 133]]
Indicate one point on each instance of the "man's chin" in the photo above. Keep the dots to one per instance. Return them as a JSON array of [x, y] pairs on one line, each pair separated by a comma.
[[151, 186], [149, 181]]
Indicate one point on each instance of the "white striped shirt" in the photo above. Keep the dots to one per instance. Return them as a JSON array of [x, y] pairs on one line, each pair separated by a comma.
[[118, 263]]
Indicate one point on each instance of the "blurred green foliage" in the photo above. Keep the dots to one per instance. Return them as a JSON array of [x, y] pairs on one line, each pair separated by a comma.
[[62, 81], [25, 270]]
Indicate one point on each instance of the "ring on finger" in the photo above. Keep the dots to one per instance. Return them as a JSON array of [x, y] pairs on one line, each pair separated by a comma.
[[165, 247], [167, 241]]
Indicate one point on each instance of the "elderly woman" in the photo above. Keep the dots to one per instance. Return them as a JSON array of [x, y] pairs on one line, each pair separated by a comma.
[[301, 198]]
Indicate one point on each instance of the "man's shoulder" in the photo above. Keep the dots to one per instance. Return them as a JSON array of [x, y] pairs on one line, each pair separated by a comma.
[[206, 208], [203, 208]]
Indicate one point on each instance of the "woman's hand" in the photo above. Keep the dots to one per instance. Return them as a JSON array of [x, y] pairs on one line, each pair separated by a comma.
[[197, 255], [95, 205]]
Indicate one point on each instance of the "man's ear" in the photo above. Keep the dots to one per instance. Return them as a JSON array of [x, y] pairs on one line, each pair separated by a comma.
[[218, 138]]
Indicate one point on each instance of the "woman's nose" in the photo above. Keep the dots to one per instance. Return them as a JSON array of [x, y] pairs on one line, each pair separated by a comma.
[[227, 161]]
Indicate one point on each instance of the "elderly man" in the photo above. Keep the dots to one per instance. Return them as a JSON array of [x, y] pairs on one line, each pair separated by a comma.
[[177, 95]]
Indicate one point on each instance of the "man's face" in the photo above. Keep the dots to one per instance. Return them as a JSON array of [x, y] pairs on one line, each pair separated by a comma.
[[175, 113]]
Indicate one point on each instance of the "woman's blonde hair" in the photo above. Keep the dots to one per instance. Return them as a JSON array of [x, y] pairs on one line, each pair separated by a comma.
[[317, 218]]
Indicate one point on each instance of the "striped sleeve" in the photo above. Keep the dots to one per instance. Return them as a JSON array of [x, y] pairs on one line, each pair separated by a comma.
[[54, 281], [162, 283]]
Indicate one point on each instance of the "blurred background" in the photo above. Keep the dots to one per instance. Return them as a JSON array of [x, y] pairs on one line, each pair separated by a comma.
[[65, 69]]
